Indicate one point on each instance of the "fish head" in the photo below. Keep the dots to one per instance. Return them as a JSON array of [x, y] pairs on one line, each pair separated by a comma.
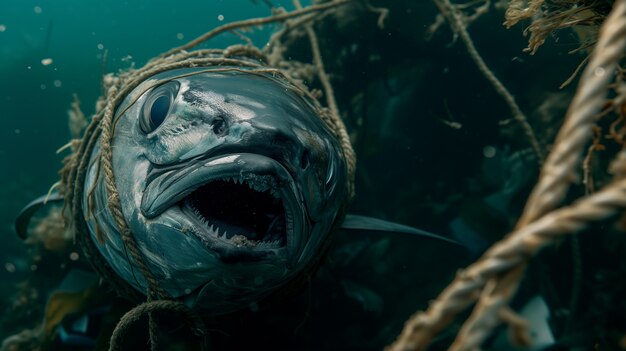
[[230, 183]]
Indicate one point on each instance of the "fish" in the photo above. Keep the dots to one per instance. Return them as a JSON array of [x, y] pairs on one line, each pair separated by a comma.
[[231, 183]]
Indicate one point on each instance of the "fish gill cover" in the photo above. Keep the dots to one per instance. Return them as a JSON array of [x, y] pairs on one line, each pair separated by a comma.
[[451, 127]]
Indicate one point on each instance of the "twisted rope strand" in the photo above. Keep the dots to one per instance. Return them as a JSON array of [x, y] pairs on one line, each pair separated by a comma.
[[510, 255], [255, 22], [141, 310], [339, 126], [559, 170], [113, 198], [454, 19], [586, 104], [502, 257]]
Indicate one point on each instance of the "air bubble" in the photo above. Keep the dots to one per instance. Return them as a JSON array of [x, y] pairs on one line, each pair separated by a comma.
[[10, 267], [489, 151]]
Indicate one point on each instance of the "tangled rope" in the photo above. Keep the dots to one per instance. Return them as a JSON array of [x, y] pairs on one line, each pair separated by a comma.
[[102, 129], [495, 277], [459, 27], [141, 310]]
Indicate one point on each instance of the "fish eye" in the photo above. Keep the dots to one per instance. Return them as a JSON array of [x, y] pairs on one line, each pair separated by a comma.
[[158, 105]]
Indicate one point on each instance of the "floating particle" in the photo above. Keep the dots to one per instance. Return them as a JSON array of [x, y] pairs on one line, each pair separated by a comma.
[[452, 124], [74, 256], [17, 131], [489, 151], [10, 267], [220, 17], [33, 267], [180, 36], [37, 9], [100, 46], [43, 87], [2, 28], [46, 62], [28, 67], [57, 83]]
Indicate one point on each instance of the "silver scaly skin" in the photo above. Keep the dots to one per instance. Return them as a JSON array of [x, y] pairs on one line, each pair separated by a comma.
[[230, 183]]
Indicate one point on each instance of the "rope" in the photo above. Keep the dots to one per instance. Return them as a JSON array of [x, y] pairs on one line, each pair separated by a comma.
[[454, 19], [141, 310], [337, 122], [499, 269], [255, 22], [113, 200]]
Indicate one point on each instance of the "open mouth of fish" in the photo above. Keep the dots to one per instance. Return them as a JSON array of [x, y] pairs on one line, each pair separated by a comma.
[[242, 206]]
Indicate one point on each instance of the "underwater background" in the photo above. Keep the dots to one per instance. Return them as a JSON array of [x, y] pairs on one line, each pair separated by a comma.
[[434, 148]]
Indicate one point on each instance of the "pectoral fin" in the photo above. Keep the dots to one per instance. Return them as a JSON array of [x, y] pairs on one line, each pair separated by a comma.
[[357, 222], [23, 218]]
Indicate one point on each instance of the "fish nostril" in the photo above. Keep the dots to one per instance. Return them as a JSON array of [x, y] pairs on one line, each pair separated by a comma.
[[219, 126], [305, 160]]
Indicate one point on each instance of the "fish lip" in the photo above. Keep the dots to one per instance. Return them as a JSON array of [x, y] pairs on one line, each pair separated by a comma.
[[170, 188]]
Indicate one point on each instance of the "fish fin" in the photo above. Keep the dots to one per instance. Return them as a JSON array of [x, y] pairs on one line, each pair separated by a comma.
[[357, 222], [26, 214]]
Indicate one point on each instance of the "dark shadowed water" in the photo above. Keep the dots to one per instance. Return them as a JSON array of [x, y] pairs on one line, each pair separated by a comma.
[[432, 151]]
